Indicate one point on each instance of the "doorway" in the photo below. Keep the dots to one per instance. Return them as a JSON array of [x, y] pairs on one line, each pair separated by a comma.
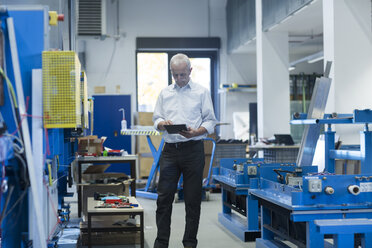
[[153, 74]]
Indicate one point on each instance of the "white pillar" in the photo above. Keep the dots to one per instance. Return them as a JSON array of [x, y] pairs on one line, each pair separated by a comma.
[[348, 44], [272, 80]]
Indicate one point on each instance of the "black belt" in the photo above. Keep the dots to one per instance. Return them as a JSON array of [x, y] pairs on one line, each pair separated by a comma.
[[183, 144]]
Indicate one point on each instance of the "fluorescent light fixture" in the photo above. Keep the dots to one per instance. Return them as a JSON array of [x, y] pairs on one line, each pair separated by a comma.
[[272, 27], [286, 19], [310, 58], [302, 9], [310, 61], [291, 68]]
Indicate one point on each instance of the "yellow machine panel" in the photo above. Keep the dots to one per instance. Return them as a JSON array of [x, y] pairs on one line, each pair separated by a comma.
[[61, 89]]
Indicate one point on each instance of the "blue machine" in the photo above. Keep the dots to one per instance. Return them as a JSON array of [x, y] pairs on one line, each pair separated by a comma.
[[26, 31], [30, 36], [236, 176], [326, 205]]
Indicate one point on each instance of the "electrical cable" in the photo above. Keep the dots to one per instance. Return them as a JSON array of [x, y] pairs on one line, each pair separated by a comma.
[[14, 205], [23, 170], [19, 148], [10, 86], [13, 102], [57, 160], [10, 192], [110, 61], [1, 195], [13, 221]]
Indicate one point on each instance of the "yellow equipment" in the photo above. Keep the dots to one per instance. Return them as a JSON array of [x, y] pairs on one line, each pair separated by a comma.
[[61, 90]]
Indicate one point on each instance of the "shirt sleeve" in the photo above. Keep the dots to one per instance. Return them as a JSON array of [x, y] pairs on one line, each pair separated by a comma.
[[158, 112], [208, 118]]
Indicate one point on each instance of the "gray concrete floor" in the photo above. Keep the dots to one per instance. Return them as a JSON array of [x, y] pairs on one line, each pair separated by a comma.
[[211, 232]]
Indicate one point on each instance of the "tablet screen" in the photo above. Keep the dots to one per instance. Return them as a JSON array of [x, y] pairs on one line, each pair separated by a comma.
[[173, 129]]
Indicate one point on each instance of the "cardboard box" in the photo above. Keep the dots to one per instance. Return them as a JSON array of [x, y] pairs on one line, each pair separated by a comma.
[[144, 118], [100, 89], [206, 166], [143, 145], [96, 174], [208, 145], [145, 164], [90, 145]]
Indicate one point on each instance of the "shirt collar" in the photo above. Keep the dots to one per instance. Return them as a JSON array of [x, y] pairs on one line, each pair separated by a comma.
[[190, 85]]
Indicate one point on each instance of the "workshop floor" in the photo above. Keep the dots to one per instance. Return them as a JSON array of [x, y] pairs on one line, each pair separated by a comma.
[[211, 232]]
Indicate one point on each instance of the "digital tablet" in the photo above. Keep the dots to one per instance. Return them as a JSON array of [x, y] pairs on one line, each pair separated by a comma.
[[172, 129]]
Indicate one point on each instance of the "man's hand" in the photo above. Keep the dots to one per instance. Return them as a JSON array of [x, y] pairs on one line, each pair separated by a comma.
[[193, 132], [162, 123]]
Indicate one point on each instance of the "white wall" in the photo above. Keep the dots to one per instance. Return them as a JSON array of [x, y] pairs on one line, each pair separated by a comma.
[[352, 62], [143, 18], [240, 69]]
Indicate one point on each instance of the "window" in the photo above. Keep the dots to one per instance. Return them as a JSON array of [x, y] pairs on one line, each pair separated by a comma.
[[201, 72], [153, 56], [152, 77]]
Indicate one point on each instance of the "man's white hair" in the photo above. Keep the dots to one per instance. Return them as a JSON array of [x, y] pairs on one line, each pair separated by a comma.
[[180, 58]]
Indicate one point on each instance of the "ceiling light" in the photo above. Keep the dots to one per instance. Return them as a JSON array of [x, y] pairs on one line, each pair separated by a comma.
[[291, 68], [310, 61]]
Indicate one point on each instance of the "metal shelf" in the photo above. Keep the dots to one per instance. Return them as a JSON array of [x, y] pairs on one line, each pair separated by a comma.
[[225, 90]]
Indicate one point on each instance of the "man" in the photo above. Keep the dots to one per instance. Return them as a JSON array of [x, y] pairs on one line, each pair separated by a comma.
[[187, 103]]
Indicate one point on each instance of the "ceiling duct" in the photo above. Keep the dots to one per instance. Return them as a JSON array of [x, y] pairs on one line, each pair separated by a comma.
[[91, 19]]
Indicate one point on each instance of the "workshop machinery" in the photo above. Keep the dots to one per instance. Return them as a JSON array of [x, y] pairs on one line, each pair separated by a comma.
[[238, 176], [240, 211], [21, 55], [35, 158], [327, 210]]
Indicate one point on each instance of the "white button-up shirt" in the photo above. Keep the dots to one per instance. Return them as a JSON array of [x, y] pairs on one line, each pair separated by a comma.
[[190, 105]]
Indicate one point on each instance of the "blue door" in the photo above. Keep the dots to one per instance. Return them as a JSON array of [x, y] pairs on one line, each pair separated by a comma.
[[107, 120]]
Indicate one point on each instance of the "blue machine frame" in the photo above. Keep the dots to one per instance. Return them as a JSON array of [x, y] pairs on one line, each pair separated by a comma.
[[236, 176], [327, 205], [150, 191], [31, 26]]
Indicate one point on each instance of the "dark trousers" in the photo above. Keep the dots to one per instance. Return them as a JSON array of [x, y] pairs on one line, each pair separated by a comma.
[[186, 158]]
